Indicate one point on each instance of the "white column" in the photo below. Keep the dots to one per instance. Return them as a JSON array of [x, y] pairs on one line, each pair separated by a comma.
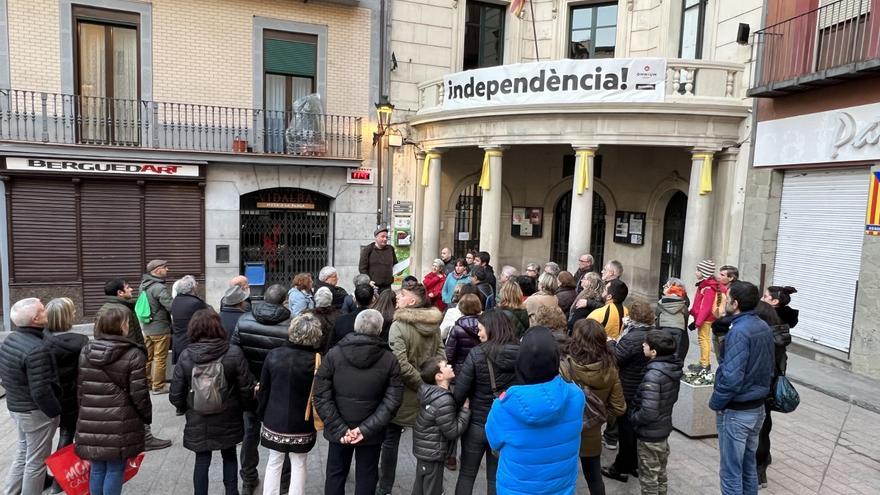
[[430, 210], [490, 213], [580, 227], [698, 223]]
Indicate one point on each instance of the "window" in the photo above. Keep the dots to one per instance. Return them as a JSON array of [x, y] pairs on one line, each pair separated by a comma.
[[593, 31], [693, 19], [290, 64], [483, 35], [107, 76]]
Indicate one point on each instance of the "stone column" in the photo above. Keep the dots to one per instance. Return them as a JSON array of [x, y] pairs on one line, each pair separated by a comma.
[[490, 213], [581, 226], [698, 224], [430, 180]]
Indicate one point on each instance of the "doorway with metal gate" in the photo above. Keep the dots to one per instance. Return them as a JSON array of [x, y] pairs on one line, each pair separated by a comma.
[[467, 220], [673, 238], [288, 229], [561, 223]]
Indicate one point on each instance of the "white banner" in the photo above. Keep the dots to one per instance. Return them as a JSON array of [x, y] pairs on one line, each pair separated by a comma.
[[90, 167], [558, 81]]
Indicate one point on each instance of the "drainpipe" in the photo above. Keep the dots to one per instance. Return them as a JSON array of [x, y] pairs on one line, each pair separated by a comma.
[[4, 254]]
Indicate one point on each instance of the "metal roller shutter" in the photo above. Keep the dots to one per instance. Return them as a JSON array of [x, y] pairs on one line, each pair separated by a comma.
[[43, 243], [819, 249], [173, 215]]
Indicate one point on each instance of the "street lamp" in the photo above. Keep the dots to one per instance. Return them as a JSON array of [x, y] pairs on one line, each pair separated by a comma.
[[384, 109], [383, 113]]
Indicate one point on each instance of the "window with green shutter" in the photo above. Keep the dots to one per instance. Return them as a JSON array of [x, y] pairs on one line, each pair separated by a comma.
[[290, 58], [289, 72]]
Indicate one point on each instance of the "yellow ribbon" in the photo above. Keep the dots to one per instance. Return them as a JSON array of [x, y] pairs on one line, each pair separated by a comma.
[[485, 179], [582, 174], [705, 172], [426, 167]]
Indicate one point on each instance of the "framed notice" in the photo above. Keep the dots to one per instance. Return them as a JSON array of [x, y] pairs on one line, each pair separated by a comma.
[[629, 227], [527, 222]]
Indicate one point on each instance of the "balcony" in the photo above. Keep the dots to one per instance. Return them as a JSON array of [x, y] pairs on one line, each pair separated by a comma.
[[824, 46], [206, 131]]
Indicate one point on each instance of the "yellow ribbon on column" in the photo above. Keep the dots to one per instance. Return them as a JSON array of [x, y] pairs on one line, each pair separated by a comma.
[[582, 174], [485, 178], [705, 172], [426, 167]]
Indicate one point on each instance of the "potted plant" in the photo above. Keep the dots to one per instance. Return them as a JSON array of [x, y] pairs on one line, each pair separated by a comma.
[[691, 414], [239, 145]]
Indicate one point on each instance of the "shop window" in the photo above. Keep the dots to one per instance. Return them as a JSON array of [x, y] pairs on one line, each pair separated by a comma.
[[290, 63], [483, 35], [107, 87], [593, 31], [693, 20]]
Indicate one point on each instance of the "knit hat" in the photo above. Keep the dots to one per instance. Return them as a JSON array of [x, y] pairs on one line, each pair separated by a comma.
[[155, 264], [538, 360], [706, 268], [323, 297], [233, 296]]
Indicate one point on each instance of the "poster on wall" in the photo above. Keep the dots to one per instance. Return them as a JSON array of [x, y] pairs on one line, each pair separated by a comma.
[[629, 227], [527, 222], [872, 222], [402, 239]]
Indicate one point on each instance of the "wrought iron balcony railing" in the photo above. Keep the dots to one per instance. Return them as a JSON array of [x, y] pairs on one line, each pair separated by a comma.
[[33, 116]]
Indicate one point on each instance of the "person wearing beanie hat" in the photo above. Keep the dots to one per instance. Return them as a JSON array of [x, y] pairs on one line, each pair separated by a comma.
[[536, 426], [327, 314], [708, 304]]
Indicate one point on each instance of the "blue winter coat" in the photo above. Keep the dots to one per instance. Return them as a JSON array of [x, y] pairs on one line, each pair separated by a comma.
[[749, 359], [451, 283], [537, 431]]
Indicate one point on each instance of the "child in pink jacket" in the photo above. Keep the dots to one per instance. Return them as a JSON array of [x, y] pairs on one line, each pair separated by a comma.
[[709, 296]]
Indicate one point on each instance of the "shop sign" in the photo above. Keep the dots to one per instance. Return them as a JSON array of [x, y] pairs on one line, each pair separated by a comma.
[[285, 199], [872, 221], [94, 167], [360, 175], [845, 135], [558, 81]]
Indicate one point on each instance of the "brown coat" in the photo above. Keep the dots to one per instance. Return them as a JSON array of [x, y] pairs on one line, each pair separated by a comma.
[[606, 384], [537, 300]]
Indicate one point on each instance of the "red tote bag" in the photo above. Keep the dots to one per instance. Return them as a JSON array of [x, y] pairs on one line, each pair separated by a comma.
[[72, 473]]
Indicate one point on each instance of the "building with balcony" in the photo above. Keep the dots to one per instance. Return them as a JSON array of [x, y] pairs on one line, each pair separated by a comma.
[[616, 128], [211, 134], [812, 194]]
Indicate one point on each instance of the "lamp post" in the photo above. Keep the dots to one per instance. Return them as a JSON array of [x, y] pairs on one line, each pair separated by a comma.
[[384, 110]]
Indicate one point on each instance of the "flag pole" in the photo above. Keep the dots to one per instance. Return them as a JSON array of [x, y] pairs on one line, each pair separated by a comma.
[[534, 29]]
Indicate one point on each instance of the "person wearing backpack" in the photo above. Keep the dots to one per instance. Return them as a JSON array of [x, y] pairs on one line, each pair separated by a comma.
[[286, 403], [114, 403], [590, 363], [212, 386], [153, 309]]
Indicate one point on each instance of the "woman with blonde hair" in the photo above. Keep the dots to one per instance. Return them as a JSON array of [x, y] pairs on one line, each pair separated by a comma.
[[510, 303], [589, 299], [546, 295]]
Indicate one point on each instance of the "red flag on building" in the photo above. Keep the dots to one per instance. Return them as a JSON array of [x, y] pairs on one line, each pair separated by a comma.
[[516, 7]]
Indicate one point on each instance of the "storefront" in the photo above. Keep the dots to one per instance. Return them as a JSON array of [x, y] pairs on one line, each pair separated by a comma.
[[73, 224]]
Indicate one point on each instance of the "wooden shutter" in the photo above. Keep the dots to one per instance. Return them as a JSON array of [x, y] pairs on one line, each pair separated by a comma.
[[44, 240], [173, 227], [292, 58]]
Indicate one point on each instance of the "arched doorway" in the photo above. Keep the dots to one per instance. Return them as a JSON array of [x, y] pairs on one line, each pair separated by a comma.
[[467, 220], [561, 222], [286, 228], [673, 237]]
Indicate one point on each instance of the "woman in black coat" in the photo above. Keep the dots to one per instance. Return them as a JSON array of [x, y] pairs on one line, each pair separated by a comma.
[[284, 401], [65, 347], [184, 306], [223, 430]]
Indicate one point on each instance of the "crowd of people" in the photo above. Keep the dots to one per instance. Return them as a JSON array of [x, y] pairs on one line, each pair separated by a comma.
[[535, 373]]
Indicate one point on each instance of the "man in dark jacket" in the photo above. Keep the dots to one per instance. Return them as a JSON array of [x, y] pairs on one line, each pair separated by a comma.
[[483, 259], [742, 384], [378, 260], [233, 305], [157, 331], [258, 332], [480, 279], [358, 390], [328, 277], [30, 377], [651, 415], [183, 308], [363, 295]]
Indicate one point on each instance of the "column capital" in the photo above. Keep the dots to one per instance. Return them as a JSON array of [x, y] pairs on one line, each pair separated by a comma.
[[703, 151], [494, 147], [585, 147], [437, 152]]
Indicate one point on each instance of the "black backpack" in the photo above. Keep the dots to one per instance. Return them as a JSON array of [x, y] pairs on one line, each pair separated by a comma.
[[208, 388]]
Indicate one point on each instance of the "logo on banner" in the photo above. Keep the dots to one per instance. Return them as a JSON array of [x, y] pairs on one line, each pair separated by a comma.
[[872, 222], [46, 165]]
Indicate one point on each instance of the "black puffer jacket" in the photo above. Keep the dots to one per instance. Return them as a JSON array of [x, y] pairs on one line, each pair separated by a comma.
[[519, 318], [338, 294], [651, 413], [788, 315], [114, 403], [462, 338], [473, 382], [204, 433], [285, 386], [781, 339], [65, 347], [182, 310], [438, 423], [260, 331], [358, 385], [631, 360], [28, 373]]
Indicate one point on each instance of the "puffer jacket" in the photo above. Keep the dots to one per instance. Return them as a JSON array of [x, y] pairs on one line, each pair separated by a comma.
[[358, 385], [438, 424], [259, 331], [114, 403], [135, 334], [672, 312], [743, 378], [414, 338], [66, 347], [537, 431], [284, 393], [706, 299], [28, 373], [788, 315], [473, 381], [781, 339], [183, 308], [463, 337], [519, 318], [603, 382], [207, 432], [651, 413], [631, 360], [160, 305], [339, 294]]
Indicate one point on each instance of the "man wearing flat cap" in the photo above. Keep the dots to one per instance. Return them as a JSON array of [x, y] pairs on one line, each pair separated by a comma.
[[157, 331], [232, 306], [378, 259]]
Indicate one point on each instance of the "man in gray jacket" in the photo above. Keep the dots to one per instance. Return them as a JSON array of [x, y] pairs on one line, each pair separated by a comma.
[[157, 331]]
